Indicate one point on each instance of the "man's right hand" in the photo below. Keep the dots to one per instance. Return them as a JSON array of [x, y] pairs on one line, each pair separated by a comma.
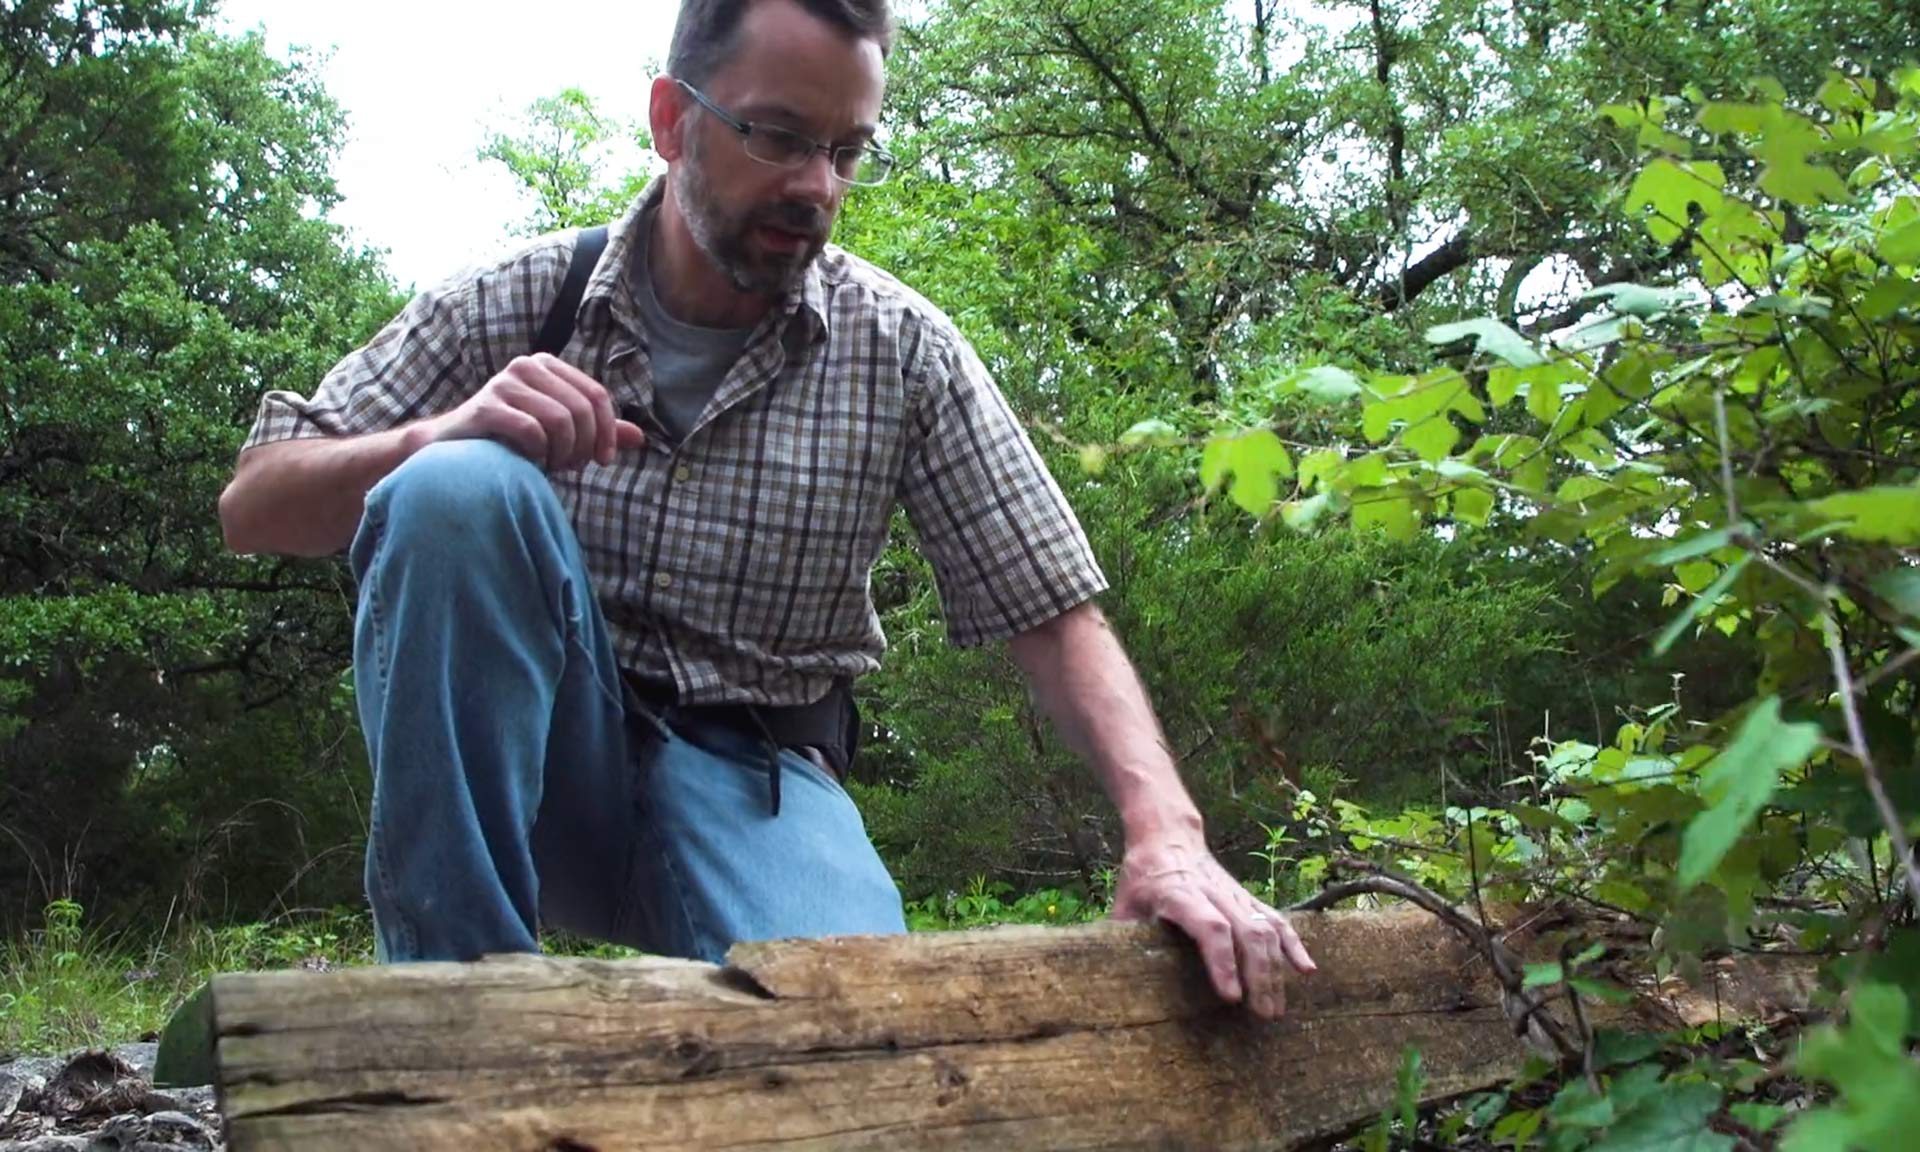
[[543, 408]]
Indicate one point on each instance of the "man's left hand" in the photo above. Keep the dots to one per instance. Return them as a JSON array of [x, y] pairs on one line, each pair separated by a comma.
[[1245, 944]]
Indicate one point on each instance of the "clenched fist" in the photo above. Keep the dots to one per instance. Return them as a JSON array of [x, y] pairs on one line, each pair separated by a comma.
[[545, 409]]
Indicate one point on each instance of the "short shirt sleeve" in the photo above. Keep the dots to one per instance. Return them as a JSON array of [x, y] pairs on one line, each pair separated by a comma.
[[418, 365], [1007, 551]]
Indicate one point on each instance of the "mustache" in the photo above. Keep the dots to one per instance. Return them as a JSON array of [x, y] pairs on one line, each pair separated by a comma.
[[791, 216]]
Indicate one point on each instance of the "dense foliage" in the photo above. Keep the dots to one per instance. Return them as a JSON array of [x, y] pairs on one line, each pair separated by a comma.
[[1745, 432], [167, 711]]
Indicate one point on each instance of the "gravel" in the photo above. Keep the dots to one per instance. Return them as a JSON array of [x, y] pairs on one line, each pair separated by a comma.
[[101, 1100]]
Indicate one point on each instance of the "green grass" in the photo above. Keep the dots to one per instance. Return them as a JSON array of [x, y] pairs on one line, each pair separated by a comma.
[[71, 985]]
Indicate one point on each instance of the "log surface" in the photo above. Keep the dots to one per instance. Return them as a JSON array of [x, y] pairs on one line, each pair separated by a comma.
[[1099, 1036]]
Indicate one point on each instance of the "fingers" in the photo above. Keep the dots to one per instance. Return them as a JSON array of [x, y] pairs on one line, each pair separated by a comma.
[[1258, 943], [605, 421], [1245, 945], [574, 411], [1290, 946], [514, 428], [1214, 934], [557, 421]]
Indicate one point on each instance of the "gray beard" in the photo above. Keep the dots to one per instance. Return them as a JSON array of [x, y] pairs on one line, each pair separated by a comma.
[[727, 247]]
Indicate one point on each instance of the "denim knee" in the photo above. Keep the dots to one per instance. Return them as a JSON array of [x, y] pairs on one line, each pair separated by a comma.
[[456, 499], [461, 482]]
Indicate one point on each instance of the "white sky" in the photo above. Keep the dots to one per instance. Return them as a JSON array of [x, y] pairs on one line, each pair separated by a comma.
[[423, 80]]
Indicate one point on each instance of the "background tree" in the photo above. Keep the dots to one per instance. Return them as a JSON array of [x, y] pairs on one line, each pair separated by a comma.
[[576, 164], [164, 258]]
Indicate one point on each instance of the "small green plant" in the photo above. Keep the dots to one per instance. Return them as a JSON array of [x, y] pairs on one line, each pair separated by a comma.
[[994, 902]]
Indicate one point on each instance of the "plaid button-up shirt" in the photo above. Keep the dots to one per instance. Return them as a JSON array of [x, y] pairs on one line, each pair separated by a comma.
[[736, 563]]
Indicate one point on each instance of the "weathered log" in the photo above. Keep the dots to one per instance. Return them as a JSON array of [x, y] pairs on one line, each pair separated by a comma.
[[1100, 1036]]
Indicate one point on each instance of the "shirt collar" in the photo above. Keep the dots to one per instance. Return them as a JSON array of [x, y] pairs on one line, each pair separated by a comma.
[[806, 302]]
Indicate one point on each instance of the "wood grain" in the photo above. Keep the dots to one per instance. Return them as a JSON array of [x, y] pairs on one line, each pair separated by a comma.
[[1099, 1036]]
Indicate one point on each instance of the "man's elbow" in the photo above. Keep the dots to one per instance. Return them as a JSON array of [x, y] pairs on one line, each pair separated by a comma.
[[235, 527]]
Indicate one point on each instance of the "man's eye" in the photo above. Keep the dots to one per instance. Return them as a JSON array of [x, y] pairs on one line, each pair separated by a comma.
[[786, 143]]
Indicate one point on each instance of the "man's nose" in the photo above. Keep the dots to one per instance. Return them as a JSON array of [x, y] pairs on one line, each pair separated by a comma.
[[814, 182]]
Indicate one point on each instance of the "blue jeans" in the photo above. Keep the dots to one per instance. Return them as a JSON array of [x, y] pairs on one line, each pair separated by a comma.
[[514, 785]]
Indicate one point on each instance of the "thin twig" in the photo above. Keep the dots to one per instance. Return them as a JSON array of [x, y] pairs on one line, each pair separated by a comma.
[[1726, 457], [1856, 732], [1524, 1011], [1587, 1041]]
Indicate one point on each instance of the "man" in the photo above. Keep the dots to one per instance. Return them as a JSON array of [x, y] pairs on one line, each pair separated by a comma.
[[610, 602]]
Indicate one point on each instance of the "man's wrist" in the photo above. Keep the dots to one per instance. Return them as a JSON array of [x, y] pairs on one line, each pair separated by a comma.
[[1163, 823]]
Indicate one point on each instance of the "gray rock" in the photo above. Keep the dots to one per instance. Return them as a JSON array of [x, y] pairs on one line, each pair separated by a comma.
[[139, 1057], [47, 1144], [12, 1087], [39, 1068], [162, 1130]]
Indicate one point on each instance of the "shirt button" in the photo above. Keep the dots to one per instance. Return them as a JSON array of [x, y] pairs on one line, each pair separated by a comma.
[[682, 474], [662, 581]]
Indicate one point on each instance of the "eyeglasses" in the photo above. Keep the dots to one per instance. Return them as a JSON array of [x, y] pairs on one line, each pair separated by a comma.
[[771, 144]]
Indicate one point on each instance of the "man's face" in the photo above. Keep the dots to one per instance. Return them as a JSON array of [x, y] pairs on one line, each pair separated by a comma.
[[762, 225]]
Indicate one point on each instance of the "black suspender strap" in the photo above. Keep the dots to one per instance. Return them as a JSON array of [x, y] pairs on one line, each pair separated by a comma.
[[558, 328]]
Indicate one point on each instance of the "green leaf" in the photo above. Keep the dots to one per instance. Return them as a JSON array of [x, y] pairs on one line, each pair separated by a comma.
[[1902, 245], [1517, 1128], [1693, 546], [1368, 471], [1639, 300], [1327, 384], [1669, 189], [1901, 589], [1755, 1115], [1093, 459], [1431, 439], [1543, 975], [1503, 384], [1701, 603], [1745, 119], [1155, 433], [1599, 333], [1473, 505], [1879, 1104], [1543, 399], [1596, 990], [1695, 575], [1886, 513], [1576, 1106], [1317, 468], [1531, 474], [1671, 1120], [1388, 509], [1612, 1048], [1491, 337], [1783, 304], [1799, 182], [1302, 515], [1889, 295], [1741, 779], [1255, 460]]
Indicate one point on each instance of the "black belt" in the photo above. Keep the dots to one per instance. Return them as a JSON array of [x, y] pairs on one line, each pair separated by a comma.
[[830, 724]]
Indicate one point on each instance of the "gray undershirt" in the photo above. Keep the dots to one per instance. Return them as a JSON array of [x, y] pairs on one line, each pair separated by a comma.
[[689, 362]]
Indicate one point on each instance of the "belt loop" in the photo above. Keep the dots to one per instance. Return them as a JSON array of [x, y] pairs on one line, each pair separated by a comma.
[[773, 756]]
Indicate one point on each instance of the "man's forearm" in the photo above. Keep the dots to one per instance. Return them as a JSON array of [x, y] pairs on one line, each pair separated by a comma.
[[1087, 686], [305, 497]]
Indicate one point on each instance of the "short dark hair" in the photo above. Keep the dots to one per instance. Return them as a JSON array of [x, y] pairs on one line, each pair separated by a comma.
[[703, 35]]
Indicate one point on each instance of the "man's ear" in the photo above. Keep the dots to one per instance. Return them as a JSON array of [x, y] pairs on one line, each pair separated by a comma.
[[666, 114]]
